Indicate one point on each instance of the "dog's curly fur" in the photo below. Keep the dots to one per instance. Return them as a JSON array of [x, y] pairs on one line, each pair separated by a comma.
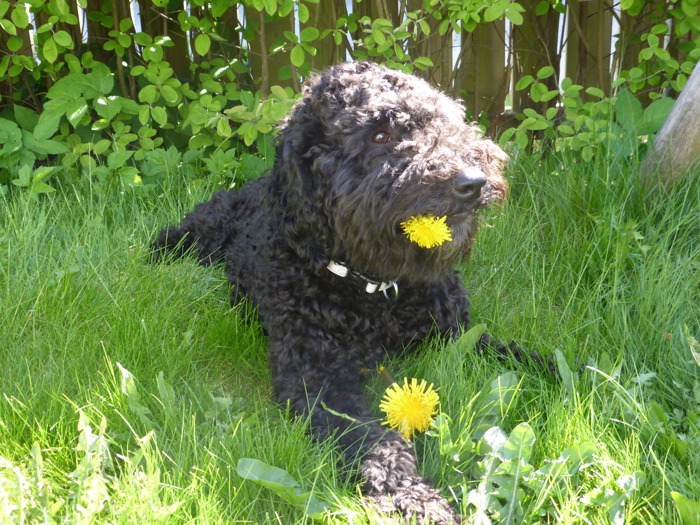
[[365, 149]]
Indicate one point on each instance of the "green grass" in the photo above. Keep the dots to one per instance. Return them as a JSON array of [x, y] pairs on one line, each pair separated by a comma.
[[129, 391]]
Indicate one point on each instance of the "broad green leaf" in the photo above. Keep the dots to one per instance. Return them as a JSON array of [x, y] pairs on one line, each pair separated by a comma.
[[688, 510], [144, 115], [278, 111], [628, 110], [566, 130], [281, 483], [303, 13], [143, 39], [130, 176], [8, 26], [468, 340], [521, 139], [567, 377], [549, 95], [170, 95], [692, 344], [493, 12], [107, 107], [44, 147], [10, 137], [545, 72], [76, 110], [62, 38], [14, 44], [595, 92], [159, 115], [4, 64], [124, 40], [499, 397], [101, 146], [223, 127], [199, 141], [655, 114], [202, 44], [19, 15], [534, 124], [514, 14], [25, 117], [424, 26], [166, 392], [99, 81], [506, 136], [542, 8], [646, 54], [524, 82], [24, 176], [537, 91], [423, 62], [297, 56], [117, 159], [61, 6], [378, 36], [48, 123], [43, 172], [520, 443], [571, 460], [493, 442], [154, 53], [50, 51], [309, 34], [41, 187], [279, 92], [125, 24], [587, 153]]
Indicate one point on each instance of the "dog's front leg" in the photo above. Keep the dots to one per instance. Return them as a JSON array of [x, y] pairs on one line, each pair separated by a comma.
[[332, 397]]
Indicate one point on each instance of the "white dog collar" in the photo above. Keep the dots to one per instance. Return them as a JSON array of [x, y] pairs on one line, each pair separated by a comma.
[[371, 285]]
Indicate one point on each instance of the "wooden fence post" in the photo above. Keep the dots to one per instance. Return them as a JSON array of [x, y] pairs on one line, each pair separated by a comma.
[[677, 145], [588, 43], [535, 46], [325, 16], [481, 77]]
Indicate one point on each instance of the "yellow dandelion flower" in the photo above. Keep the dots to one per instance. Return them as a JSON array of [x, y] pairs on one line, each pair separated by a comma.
[[427, 231], [410, 408]]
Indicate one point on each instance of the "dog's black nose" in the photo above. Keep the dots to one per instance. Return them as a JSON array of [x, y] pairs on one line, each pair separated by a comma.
[[467, 184]]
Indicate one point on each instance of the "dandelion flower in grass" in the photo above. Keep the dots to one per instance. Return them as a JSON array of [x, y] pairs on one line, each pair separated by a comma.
[[427, 231], [410, 408]]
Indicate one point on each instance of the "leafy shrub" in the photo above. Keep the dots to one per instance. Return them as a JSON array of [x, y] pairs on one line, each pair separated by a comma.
[[212, 80]]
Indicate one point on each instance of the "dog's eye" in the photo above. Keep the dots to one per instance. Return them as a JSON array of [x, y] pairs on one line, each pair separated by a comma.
[[381, 138]]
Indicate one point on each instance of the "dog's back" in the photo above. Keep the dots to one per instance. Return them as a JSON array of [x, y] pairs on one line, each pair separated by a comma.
[[209, 229]]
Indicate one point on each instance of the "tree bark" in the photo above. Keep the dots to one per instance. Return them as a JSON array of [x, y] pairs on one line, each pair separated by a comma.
[[676, 148]]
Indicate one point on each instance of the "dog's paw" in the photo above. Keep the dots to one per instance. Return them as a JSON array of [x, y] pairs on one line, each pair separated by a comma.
[[418, 503]]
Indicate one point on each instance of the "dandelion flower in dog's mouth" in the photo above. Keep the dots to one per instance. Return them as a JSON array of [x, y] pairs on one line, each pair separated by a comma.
[[427, 231], [410, 408]]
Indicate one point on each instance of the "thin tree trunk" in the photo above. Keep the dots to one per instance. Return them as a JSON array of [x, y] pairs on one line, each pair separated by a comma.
[[677, 145]]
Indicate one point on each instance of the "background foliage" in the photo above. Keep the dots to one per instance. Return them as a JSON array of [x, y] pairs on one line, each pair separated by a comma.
[[129, 92], [131, 392]]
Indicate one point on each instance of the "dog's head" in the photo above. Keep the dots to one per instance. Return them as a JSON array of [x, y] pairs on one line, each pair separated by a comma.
[[366, 149]]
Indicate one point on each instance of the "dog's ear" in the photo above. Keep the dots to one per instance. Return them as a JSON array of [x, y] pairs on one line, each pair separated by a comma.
[[492, 160], [299, 200]]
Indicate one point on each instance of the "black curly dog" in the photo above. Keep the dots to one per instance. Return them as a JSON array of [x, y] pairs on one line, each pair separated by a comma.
[[317, 245]]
